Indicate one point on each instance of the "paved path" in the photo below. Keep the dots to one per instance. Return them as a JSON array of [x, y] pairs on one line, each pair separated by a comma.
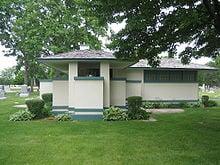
[[167, 110]]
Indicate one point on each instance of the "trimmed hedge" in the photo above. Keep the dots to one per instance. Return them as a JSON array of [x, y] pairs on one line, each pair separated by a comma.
[[47, 97], [36, 107], [205, 100], [134, 103], [134, 109]]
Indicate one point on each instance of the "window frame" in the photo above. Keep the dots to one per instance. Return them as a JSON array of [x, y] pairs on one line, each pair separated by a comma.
[[183, 76]]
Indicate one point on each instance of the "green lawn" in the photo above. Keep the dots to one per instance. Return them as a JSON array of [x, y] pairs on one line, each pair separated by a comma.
[[192, 137]]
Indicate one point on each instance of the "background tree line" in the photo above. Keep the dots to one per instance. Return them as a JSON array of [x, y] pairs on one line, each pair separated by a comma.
[[30, 29]]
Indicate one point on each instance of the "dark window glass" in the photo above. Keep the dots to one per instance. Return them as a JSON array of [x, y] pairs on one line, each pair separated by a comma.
[[189, 76], [91, 69], [169, 76], [176, 76]]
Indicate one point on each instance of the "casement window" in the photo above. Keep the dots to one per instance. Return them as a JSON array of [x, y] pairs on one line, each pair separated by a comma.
[[170, 76]]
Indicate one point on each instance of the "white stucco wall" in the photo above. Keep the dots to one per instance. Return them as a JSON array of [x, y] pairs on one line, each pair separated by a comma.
[[73, 71], [119, 73], [46, 87], [60, 93], [133, 89], [134, 74], [89, 94], [170, 91], [104, 72], [118, 93]]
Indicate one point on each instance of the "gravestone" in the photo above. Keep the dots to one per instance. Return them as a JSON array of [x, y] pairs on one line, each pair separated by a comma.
[[24, 91], [2, 87], [7, 88], [2, 92]]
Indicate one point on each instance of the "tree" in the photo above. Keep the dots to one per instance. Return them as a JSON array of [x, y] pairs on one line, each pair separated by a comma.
[[211, 78], [161, 25], [31, 28], [7, 76]]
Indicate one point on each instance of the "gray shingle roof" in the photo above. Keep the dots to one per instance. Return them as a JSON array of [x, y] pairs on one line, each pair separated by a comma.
[[172, 64], [103, 55], [82, 54]]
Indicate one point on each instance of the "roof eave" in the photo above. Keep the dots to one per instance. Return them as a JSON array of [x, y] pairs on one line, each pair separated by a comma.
[[159, 68]]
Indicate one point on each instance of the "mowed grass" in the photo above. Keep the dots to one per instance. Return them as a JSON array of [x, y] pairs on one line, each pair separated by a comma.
[[192, 137]]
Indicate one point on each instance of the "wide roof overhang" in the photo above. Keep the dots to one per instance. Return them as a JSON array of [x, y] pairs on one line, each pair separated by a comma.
[[63, 64]]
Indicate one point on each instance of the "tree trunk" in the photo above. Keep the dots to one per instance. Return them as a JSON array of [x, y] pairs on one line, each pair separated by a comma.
[[32, 85], [26, 73]]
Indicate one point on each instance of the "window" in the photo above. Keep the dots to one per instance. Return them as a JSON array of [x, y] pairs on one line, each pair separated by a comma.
[[169, 76], [189, 76], [91, 69]]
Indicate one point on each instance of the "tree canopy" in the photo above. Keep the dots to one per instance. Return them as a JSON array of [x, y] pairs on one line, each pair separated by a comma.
[[156, 26], [31, 28], [211, 78]]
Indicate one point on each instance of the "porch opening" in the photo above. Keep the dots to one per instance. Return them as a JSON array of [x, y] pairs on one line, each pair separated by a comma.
[[89, 69]]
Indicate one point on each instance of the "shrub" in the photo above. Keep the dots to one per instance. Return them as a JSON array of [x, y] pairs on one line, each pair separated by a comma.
[[152, 105], [212, 103], [134, 109], [63, 117], [134, 102], [36, 107], [205, 100], [140, 115], [47, 97], [148, 105], [22, 115], [114, 114]]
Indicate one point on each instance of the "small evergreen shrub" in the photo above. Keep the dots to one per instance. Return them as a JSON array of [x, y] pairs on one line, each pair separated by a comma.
[[47, 97], [134, 102], [36, 107], [114, 114], [205, 100], [63, 117], [135, 111], [134, 105], [212, 103], [22, 115]]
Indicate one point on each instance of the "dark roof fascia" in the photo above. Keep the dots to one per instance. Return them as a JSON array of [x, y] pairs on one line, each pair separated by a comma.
[[148, 68]]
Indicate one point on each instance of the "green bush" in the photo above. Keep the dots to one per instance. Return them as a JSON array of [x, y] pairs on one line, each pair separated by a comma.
[[134, 105], [47, 97], [63, 117], [22, 115], [205, 100], [36, 107], [212, 103], [140, 115], [152, 105], [134, 102], [114, 114], [134, 109]]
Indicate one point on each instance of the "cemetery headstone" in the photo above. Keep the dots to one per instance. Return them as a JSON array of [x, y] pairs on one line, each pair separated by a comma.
[[7, 88], [2, 92], [24, 91]]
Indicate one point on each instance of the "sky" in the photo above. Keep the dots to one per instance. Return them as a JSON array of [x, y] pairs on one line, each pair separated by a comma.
[[6, 62]]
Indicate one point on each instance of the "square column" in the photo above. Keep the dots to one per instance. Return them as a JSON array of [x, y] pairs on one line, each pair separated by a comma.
[[105, 72], [73, 71]]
